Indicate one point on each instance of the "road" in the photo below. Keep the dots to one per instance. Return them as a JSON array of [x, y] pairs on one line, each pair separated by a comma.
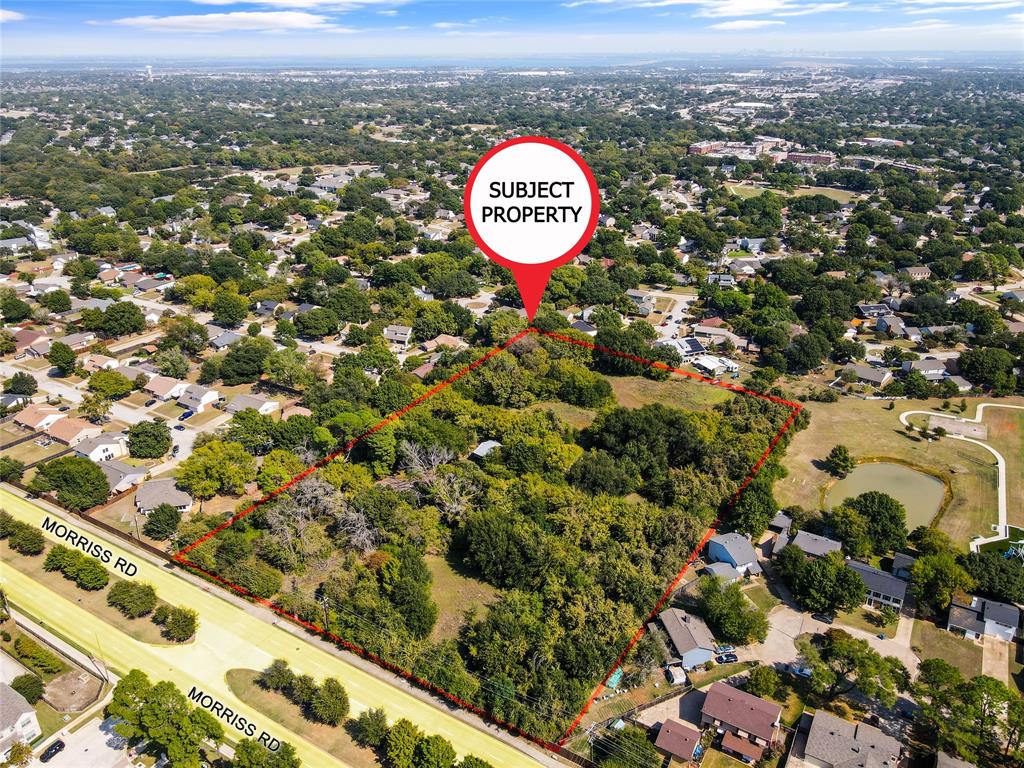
[[229, 637], [1000, 461]]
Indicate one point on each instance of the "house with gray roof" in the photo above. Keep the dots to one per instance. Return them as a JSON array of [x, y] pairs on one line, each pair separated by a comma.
[[691, 639], [836, 743], [722, 571], [883, 589], [813, 545], [901, 565], [120, 476], [976, 617], [18, 721], [865, 374], [153, 493], [196, 397], [736, 550]]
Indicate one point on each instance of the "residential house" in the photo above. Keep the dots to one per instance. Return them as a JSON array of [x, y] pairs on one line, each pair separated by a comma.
[[267, 308], [153, 493], [25, 338], [901, 565], [96, 362], [165, 388], [930, 368], [72, 431], [78, 341], [483, 450], [262, 404], [942, 760], [584, 327], [707, 333], [38, 416], [691, 639], [398, 334], [883, 589], [722, 571], [678, 739], [120, 476], [688, 347], [18, 721], [104, 447], [918, 272], [225, 339], [1016, 295], [865, 374], [732, 711], [10, 401], [977, 617], [836, 743], [813, 545], [892, 325], [736, 550], [198, 398], [444, 341], [715, 366], [873, 311], [643, 300], [722, 280]]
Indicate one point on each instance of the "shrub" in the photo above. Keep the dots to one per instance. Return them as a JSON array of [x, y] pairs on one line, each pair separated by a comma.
[[161, 614], [182, 624], [132, 598], [87, 572], [26, 540], [302, 690], [277, 677], [371, 727], [30, 686], [37, 657]]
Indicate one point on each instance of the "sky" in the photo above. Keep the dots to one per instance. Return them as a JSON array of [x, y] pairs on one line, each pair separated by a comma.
[[344, 30]]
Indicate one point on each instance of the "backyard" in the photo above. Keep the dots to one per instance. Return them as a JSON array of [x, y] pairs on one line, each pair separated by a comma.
[[929, 641]]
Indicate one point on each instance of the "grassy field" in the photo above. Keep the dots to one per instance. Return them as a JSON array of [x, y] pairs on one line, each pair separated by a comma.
[[1006, 435], [715, 759], [332, 739], [50, 720], [760, 596], [747, 190], [637, 391], [868, 429], [867, 620], [928, 641], [454, 594], [570, 414], [141, 629], [718, 672]]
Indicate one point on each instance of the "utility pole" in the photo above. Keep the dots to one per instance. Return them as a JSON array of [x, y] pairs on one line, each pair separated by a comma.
[[327, 623]]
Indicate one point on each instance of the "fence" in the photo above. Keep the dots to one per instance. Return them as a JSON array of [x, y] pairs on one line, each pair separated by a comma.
[[20, 440]]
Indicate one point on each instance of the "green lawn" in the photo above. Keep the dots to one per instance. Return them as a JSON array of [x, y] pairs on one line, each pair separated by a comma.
[[928, 641], [715, 759], [867, 620], [718, 672], [761, 596], [50, 720], [637, 391], [869, 429], [455, 594], [570, 414], [334, 740]]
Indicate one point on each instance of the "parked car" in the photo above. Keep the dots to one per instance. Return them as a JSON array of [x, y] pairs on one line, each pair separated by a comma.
[[726, 658], [799, 671], [52, 751], [824, 618], [186, 415], [64, 408], [725, 648], [180, 427], [175, 449], [151, 402]]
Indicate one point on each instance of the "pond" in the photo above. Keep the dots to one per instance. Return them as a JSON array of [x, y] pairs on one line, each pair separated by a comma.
[[921, 494]]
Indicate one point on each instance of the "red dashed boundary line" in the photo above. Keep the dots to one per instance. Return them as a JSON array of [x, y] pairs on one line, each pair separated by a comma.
[[181, 558]]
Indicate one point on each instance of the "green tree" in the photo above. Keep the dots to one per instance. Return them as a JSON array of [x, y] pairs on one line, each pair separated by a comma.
[[182, 624], [123, 318], [30, 686], [839, 462], [229, 309], [850, 527], [94, 407], [80, 484], [841, 664], [371, 727], [134, 599], [277, 677], [251, 754], [11, 469], [330, 704], [936, 578], [162, 523], [400, 744], [434, 752], [21, 384], [763, 681], [287, 368], [728, 612], [126, 704], [626, 748], [277, 468], [887, 520], [149, 439], [62, 357], [217, 467], [171, 362]]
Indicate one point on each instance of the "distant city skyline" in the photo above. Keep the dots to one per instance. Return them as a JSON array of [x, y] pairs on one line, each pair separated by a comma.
[[495, 28]]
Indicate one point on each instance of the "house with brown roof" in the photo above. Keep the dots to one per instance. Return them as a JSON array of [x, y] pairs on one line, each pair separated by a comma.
[[836, 743], [38, 416], [677, 739], [72, 431], [730, 710], [165, 388]]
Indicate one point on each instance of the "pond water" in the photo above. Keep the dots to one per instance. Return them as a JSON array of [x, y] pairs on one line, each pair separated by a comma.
[[921, 494]]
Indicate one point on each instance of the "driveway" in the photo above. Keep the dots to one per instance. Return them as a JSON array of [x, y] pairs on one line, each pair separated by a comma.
[[995, 658], [94, 744]]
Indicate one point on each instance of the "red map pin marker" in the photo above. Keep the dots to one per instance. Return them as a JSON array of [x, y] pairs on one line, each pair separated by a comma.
[[531, 204]]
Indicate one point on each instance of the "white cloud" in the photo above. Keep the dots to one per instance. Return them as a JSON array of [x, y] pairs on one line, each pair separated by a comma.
[[236, 21], [449, 24], [996, 6], [744, 24], [389, 12], [9, 16], [924, 25], [327, 5], [806, 10]]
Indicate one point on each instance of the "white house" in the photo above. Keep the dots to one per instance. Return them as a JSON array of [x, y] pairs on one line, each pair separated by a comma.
[[736, 550], [198, 398], [262, 404], [104, 447], [121, 476], [981, 617], [165, 388], [18, 720]]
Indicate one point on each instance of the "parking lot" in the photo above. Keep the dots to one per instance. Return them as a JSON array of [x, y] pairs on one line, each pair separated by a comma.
[[94, 744]]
